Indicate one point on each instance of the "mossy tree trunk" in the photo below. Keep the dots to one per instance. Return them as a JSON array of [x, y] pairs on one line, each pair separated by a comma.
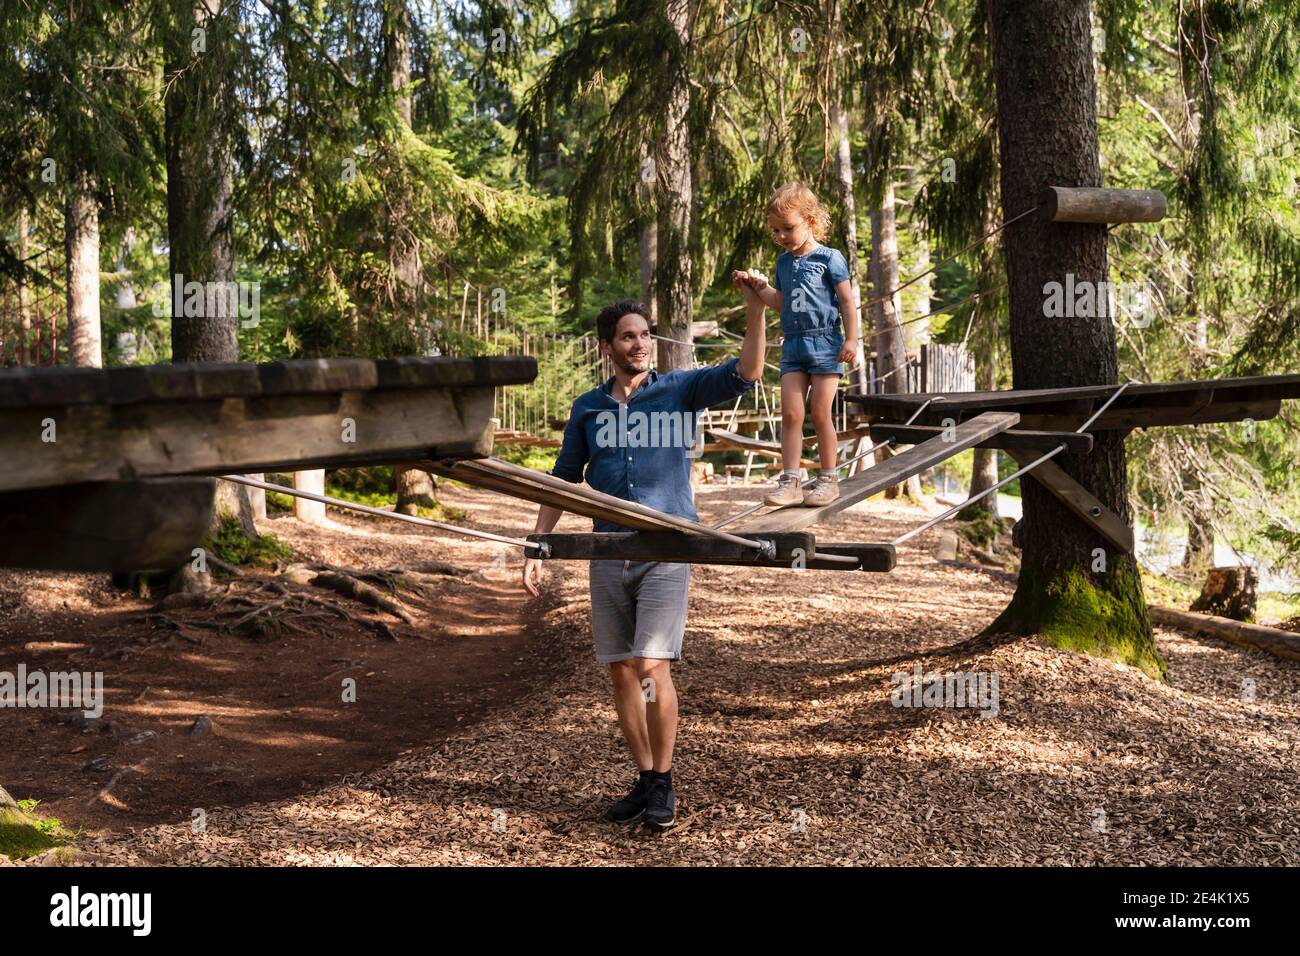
[[1073, 589]]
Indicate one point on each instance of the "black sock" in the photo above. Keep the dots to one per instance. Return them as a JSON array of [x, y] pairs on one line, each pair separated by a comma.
[[666, 776], [647, 776]]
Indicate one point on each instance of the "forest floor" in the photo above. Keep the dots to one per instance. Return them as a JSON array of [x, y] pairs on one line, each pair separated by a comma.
[[485, 733]]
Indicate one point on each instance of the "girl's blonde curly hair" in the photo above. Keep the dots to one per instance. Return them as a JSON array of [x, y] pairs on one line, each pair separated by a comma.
[[799, 199]]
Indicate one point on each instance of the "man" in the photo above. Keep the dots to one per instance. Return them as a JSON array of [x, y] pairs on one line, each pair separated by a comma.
[[638, 608]]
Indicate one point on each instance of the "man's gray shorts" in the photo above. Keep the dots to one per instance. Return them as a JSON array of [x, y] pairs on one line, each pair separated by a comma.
[[638, 609]]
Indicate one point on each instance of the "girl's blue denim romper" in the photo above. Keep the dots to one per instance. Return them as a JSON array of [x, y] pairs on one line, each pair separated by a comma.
[[810, 312]]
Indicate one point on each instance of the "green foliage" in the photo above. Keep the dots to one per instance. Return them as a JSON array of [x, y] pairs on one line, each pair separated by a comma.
[[23, 834], [232, 545]]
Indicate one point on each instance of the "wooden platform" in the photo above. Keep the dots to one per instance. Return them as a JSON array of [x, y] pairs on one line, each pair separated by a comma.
[[61, 426], [1065, 409], [897, 469]]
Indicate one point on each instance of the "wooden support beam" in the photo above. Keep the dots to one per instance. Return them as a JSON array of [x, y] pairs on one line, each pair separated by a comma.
[[1079, 500], [1127, 419], [1012, 438], [1152, 403], [871, 557], [135, 422], [899, 468], [1086, 204], [148, 525], [675, 547]]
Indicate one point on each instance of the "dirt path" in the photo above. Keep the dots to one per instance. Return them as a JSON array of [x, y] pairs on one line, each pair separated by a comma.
[[791, 751]]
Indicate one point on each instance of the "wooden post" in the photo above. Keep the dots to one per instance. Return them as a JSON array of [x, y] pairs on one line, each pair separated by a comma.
[[1081, 204], [257, 497], [312, 512]]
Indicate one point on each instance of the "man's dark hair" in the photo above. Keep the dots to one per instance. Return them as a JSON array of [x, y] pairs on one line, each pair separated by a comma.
[[607, 320]]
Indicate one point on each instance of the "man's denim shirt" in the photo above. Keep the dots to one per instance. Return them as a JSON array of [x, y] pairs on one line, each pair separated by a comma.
[[640, 454]]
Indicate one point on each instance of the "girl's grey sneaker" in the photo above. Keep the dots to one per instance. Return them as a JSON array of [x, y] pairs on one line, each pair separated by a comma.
[[661, 809], [824, 490], [631, 807], [787, 492]]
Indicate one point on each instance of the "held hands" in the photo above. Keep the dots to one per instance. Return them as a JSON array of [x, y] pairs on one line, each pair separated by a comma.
[[750, 282]]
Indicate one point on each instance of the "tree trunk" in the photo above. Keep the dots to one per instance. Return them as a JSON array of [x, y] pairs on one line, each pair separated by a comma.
[[1071, 590], [648, 257], [24, 316], [81, 237], [887, 334], [414, 487], [844, 181], [673, 176], [891, 354], [125, 297], [1199, 553], [984, 337], [648, 246], [198, 117]]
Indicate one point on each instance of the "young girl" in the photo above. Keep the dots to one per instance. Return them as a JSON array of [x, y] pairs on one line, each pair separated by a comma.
[[813, 294]]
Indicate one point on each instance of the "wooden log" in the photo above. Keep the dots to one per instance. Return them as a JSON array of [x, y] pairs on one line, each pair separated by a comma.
[[1079, 500], [145, 525], [1087, 204], [1228, 592], [897, 469], [1022, 439], [1271, 639]]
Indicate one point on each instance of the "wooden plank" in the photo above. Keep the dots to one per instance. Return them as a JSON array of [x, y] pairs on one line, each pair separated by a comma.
[[1012, 438], [152, 524], [47, 387], [1079, 500], [899, 468], [106, 442], [1128, 419], [1089, 204], [543, 488], [1162, 395]]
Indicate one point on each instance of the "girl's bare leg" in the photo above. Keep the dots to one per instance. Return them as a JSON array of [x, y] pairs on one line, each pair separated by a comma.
[[793, 387], [823, 396]]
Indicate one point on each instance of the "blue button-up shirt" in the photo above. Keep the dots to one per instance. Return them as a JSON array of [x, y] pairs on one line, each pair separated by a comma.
[[637, 450]]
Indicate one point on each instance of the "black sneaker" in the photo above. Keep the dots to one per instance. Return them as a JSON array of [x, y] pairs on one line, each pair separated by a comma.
[[632, 806], [661, 808]]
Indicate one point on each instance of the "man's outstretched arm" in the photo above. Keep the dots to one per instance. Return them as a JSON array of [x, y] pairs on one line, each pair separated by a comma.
[[753, 349], [717, 383]]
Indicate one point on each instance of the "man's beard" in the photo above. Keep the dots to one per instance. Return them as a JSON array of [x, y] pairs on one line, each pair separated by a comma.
[[626, 364]]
